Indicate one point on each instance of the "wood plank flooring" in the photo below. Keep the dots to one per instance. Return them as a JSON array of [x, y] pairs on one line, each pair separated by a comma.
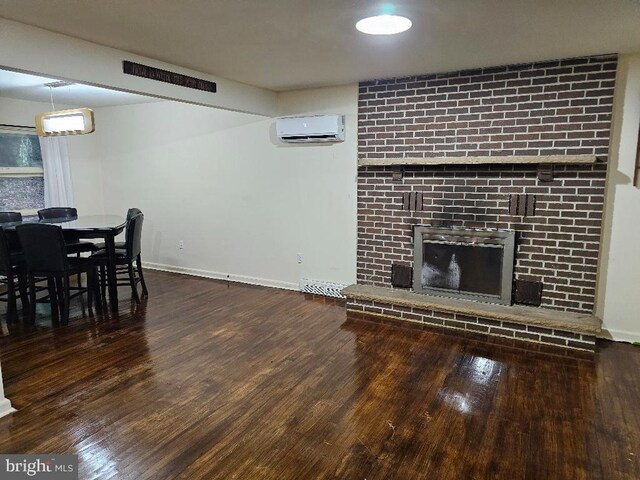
[[211, 380]]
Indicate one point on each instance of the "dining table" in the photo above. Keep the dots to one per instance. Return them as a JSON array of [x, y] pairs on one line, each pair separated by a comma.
[[105, 227]]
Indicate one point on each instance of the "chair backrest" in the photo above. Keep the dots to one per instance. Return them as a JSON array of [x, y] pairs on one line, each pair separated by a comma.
[[5, 256], [133, 212], [134, 235], [44, 248], [7, 217], [57, 212], [11, 237]]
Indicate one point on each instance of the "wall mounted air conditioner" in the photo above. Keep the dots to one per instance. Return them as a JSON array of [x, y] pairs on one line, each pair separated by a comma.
[[314, 129]]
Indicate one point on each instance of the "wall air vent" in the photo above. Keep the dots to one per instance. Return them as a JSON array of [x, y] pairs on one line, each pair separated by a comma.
[[160, 75], [319, 287]]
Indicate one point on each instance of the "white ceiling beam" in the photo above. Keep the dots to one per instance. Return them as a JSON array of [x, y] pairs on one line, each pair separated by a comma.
[[34, 50]]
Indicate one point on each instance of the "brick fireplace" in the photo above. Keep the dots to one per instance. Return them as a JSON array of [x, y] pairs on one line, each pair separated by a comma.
[[519, 148]]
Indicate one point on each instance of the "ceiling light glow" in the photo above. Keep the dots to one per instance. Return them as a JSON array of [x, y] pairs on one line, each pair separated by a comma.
[[384, 25], [63, 123]]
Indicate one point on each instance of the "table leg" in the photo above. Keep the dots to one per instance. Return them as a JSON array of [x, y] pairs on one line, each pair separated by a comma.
[[110, 245]]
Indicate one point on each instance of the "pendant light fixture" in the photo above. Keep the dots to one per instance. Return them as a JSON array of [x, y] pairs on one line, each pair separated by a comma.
[[75, 121]]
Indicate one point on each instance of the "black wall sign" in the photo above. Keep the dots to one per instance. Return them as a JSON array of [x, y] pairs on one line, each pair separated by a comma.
[[153, 73]]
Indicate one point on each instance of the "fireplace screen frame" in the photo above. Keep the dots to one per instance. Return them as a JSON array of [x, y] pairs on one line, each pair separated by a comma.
[[504, 239]]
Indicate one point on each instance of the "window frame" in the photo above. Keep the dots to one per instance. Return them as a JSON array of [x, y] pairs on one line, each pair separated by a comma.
[[21, 172]]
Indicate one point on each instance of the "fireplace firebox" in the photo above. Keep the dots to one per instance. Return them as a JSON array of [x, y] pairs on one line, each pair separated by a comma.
[[464, 263]]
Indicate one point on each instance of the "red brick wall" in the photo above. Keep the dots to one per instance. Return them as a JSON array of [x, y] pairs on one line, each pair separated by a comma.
[[560, 107]]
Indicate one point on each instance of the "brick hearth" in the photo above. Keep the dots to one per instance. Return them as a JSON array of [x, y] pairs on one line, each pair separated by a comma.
[[551, 327]]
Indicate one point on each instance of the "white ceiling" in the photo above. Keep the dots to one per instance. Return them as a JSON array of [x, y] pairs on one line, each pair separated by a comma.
[[287, 44], [31, 87]]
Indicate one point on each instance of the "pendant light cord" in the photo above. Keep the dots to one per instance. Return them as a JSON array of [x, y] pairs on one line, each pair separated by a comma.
[[53, 108]]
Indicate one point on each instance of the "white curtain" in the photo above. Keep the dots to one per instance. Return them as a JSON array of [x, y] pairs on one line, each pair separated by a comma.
[[58, 190]]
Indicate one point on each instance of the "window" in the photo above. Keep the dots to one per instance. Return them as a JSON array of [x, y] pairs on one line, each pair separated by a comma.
[[21, 173]]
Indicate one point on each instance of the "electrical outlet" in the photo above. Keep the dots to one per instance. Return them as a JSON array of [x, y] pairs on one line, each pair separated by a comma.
[[299, 257], [181, 244]]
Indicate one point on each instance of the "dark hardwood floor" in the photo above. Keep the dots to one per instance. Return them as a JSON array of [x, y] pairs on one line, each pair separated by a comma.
[[225, 381]]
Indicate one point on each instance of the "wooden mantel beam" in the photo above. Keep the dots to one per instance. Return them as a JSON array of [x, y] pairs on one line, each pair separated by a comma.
[[486, 160]]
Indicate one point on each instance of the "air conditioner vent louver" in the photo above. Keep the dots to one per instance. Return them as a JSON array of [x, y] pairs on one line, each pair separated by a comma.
[[304, 137]]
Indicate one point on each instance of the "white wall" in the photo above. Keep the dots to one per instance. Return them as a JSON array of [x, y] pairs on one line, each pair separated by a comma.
[[85, 165], [619, 275], [243, 204]]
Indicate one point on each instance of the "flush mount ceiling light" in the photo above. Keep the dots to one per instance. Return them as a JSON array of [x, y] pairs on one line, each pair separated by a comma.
[[384, 25]]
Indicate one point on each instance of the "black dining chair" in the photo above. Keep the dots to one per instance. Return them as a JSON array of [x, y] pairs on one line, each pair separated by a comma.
[[46, 255], [74, 244], [130, 214], [57, 212], [126, 256], [12, 238], [121, 269], [13, 272], [9, 217]]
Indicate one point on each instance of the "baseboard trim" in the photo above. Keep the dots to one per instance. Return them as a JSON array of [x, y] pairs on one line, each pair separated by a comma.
[[265, 282], [5, 407]]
